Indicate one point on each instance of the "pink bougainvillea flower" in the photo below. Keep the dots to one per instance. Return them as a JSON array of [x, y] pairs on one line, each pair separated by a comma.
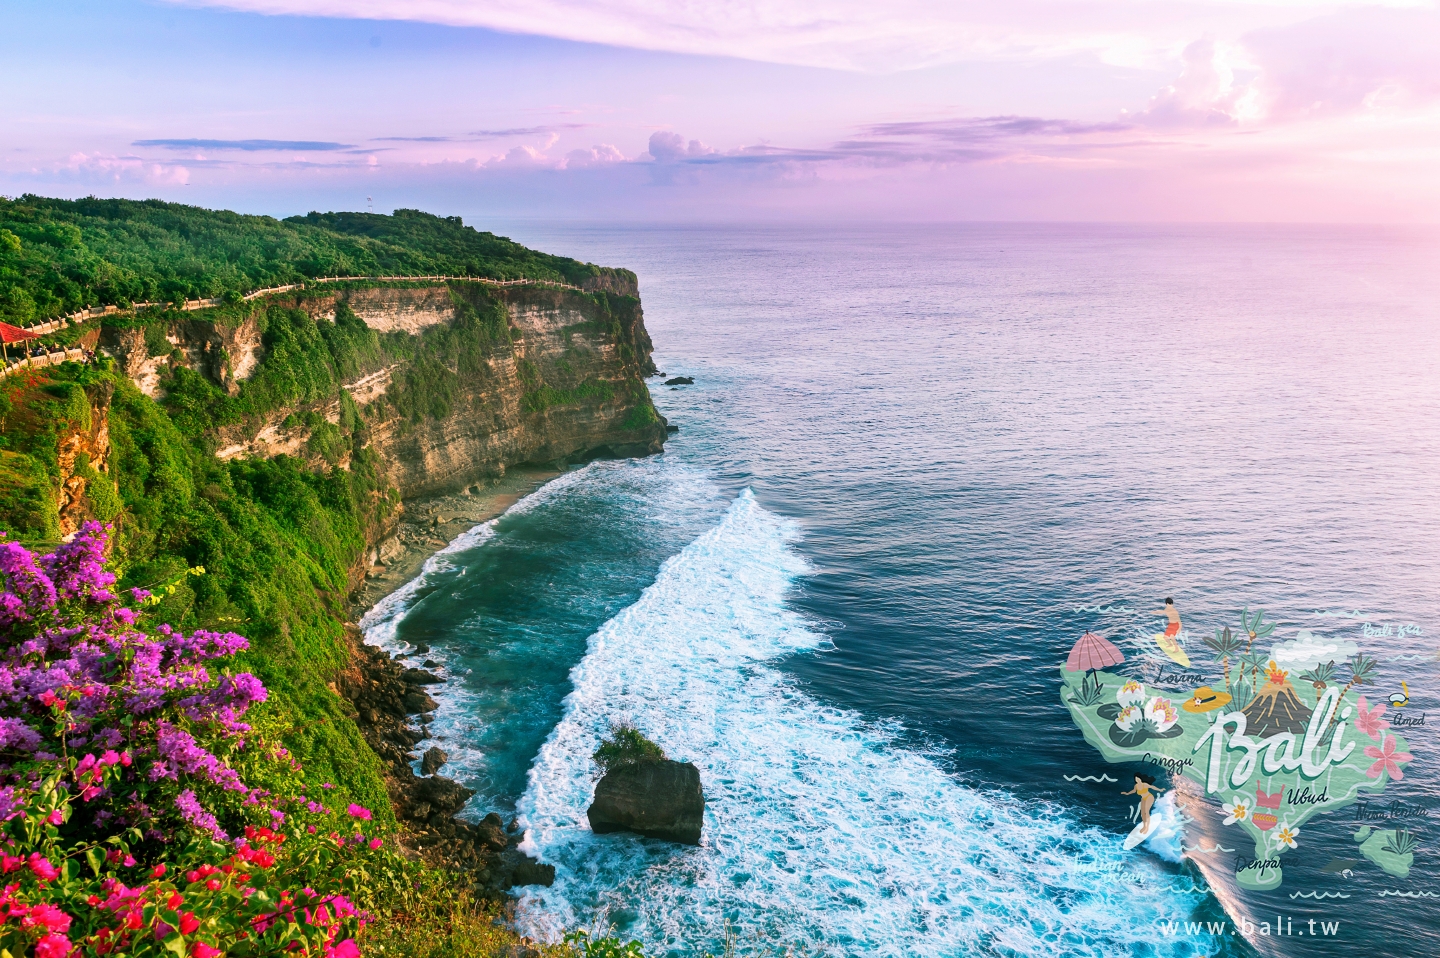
[[189, 923], [346, 949], [359, 811], [45, 871], [1368, 720], [201, 950], [52, 918], [1386, 759], [52, 946], [376, 842]]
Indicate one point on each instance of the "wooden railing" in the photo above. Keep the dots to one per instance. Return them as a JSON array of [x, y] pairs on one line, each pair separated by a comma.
[[50, 358]]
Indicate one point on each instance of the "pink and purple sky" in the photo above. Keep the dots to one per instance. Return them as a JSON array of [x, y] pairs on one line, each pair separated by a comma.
[[761, 110]]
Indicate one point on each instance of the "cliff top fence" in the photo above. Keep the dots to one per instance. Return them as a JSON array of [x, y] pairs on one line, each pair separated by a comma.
[[190, 305], [49, 358]]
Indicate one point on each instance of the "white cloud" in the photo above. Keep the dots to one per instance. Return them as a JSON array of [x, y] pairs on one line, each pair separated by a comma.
[[101, 167], [1308, 650], [602, 154], [847, 34], [666, 147], [523, 157]]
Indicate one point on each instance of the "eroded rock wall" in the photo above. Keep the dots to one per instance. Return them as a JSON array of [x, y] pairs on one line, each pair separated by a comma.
[[568, 385]]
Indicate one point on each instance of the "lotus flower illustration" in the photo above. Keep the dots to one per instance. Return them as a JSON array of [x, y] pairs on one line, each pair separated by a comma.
[[1162, 713], [1133, 724], [1131, 693]]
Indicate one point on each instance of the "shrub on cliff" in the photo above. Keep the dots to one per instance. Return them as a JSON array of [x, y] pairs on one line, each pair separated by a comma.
[[130, 821], [626, 745]]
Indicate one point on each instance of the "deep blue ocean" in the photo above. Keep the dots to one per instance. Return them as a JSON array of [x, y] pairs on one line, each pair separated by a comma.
[[915, 465]]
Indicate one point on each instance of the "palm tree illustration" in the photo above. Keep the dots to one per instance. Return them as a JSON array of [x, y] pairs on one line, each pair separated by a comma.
[[1256, 628], [1361, 669], [1320, 676], [1225, 645], [1252, 662]]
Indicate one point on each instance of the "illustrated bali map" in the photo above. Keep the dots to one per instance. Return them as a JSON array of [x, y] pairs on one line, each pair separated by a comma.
[[1276, 727]]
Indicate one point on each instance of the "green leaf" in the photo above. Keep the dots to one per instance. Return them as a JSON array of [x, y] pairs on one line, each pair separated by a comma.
[[95, 859]]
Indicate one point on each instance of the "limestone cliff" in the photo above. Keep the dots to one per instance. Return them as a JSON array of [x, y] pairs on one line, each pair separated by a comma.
[[563, 384]]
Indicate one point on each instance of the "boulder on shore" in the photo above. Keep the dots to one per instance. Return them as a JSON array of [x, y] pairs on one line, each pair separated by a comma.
[[679, 381], [434, 758], [657, 799], [443, 794]]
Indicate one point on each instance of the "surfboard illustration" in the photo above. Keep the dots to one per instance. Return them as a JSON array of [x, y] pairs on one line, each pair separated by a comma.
[[1137, 835], [1172, 649]]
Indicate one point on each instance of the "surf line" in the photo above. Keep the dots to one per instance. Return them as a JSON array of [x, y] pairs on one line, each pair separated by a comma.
[[1089, 778], [1318, 895], [1409, 894], [1201, 849]]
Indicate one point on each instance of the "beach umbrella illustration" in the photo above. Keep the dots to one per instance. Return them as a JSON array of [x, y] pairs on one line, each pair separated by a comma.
[[1093, 652]]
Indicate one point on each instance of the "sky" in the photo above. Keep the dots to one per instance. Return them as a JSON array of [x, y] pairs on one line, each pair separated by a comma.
[[767, 111]]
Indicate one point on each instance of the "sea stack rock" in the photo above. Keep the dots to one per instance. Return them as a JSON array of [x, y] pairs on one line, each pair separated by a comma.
[[657, 799], [433, 759]]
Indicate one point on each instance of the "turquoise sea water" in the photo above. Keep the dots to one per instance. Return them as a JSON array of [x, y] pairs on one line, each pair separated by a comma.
[[914, 464]]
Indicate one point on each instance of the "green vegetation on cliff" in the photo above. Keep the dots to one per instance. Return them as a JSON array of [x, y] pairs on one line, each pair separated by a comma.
[[270, 546], [261, 529], [57, 256]]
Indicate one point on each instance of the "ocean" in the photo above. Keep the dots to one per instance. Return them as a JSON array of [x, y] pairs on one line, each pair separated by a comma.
[[916, 464]]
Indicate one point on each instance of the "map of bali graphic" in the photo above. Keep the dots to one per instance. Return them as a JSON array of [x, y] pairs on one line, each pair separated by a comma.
[[1287, 734]]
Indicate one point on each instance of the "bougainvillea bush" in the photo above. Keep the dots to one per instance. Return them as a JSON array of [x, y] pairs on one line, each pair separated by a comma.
[[128, 824]]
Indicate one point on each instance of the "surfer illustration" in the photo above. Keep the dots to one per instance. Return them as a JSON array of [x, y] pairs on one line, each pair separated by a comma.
[[1147, 790], [1173, 614], [1169, 642]]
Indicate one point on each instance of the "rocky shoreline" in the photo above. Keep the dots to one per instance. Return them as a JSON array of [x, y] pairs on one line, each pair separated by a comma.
[[429, 524], [393, 704]]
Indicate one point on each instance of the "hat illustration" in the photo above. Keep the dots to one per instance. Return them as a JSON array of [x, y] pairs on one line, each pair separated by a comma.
[[1206, 699]]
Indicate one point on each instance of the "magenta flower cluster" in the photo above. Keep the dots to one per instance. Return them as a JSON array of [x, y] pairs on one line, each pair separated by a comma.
[[82, 684], [114, 738]]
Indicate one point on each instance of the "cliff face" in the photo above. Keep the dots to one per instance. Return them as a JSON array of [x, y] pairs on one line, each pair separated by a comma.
[[87, 489], [564, 384], [569, 389]]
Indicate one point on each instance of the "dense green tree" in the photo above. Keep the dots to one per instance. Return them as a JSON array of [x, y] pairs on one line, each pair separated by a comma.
[[57, 256]]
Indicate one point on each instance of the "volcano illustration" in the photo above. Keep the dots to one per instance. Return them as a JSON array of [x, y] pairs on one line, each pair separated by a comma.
[[1276, 708]]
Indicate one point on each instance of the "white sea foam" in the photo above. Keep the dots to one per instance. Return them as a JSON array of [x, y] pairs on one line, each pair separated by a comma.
[[1167, 829], [820, 831], [665, 491]]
